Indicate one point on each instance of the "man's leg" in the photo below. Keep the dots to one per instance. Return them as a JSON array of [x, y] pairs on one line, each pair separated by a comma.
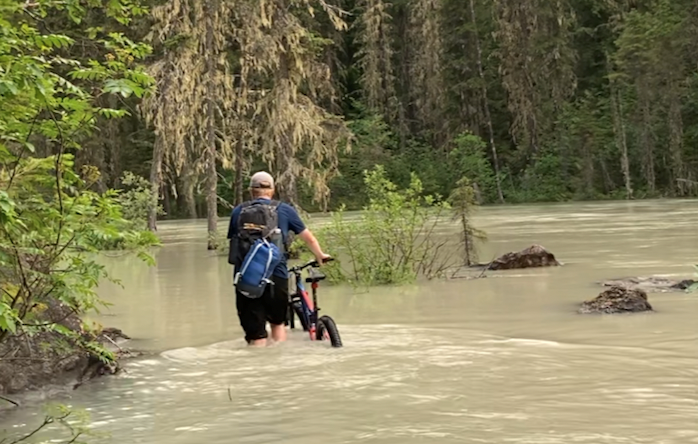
[[252, 319], [276, 306]]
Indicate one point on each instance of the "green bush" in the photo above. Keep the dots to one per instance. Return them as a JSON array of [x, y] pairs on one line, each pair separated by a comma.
[[393, 241], [135, 200], [51, 222]]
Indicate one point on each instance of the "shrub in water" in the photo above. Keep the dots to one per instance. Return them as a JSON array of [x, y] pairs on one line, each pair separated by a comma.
[[394, 239]]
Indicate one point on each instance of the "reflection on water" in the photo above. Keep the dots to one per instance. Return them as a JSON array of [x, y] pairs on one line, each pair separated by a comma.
[[503, 359]]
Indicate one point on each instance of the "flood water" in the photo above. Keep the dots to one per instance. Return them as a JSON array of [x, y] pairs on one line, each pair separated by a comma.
[[498, 360]]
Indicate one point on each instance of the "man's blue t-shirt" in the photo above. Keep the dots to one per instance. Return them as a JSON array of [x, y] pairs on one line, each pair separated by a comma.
[[289, 220]]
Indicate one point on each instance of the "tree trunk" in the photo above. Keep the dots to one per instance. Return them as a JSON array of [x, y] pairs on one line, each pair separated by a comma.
[[588, 170], [167, 199], [485, 102], [239, 171], [112, 131], [608, 183], [647, 139], [621, 139], [401, 103], [210, 153], [212, 192], [467, 241], [185, 194], [286, 182], [155, 184], [676, 143]]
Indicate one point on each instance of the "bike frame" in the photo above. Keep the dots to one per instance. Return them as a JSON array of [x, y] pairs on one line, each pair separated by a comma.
[[308, 304]]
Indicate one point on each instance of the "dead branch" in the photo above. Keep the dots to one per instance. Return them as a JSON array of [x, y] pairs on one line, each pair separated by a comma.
[[9, 400]]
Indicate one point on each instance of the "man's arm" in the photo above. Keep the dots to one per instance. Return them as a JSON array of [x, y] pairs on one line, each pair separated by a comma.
[[232, 225]]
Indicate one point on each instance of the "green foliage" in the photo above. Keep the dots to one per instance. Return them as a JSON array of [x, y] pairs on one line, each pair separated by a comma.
[[296, 248], [38, 94], [373, 144], [543, 181], [394, 239], [48, 237], [130, 232], [52, 223], [469, 159], [464, 202], [694, 287], [136, 200], [124, 237], [75, 424], [422, 160], [547, 88]]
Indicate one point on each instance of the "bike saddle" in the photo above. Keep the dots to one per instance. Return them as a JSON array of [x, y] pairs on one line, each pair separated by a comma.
[[314, 276]]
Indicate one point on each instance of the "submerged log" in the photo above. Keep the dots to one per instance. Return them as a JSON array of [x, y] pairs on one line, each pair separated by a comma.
[[650, 284], [531, 257], [617, 299]]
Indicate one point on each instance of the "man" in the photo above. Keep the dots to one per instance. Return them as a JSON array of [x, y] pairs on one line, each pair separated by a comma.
[[272, 306]]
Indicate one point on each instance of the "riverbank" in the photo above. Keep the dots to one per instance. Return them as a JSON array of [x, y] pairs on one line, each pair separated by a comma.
[[65, 355]]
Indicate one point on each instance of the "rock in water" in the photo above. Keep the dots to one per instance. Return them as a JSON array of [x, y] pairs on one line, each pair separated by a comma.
[[684, 284], [531, 257], [617, 300], [650, 284], [114, 334]]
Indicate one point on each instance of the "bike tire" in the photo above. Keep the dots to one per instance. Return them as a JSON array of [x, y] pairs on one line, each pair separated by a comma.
[[326, 325]]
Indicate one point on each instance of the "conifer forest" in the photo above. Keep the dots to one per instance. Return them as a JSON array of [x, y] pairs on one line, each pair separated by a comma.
[[531, 100]]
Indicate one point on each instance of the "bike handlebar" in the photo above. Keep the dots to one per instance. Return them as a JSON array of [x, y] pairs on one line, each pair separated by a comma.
[[313, 263]]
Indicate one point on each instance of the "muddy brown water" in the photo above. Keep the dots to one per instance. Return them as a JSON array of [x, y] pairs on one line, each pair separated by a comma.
[[498, 360]]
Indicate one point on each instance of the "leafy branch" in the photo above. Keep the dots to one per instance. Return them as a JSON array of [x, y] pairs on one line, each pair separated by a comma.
[[74, 424]]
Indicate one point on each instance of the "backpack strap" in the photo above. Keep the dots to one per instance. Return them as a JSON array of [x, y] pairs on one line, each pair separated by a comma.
[[242, 207], [284, 241], [273, 203]]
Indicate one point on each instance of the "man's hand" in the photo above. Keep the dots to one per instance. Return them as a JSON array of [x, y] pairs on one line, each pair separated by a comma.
[[321, 258]]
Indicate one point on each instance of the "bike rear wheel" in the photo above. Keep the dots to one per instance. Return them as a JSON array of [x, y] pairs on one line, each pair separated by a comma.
[[327, 330]]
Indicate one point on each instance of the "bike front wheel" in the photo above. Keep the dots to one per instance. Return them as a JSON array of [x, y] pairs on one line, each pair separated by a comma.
[[327, 330]]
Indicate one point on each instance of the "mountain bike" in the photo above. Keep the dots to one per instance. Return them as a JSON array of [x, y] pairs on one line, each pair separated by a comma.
[[320, 328]]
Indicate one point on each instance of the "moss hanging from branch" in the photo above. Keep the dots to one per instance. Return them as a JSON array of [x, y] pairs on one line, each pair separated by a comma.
[[195, 92], [286, 80], [374, 33], [536, 64], [427, 83]]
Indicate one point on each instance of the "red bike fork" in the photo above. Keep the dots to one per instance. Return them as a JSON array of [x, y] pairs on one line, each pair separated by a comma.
[[312, 328]]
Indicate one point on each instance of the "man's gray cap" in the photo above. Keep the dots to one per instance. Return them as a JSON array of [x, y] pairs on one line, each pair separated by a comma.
[[261, 179]]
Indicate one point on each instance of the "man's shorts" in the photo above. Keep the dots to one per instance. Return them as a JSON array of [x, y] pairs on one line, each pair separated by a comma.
[[272, 307]]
